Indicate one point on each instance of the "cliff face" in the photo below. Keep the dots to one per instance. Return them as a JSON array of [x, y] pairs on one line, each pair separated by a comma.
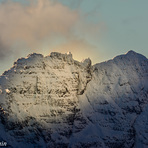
[[55, 101]]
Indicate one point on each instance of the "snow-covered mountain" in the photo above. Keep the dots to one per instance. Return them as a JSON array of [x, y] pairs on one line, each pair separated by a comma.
[[57, 102]]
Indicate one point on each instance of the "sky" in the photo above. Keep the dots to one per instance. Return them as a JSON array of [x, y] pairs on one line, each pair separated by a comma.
[[98, 29]]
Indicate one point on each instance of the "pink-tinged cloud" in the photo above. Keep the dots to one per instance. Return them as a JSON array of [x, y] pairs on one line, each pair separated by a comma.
[[45, 25]]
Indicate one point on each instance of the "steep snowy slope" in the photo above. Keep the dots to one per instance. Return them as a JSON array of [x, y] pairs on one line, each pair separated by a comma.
[[55, 101], [115, 100]]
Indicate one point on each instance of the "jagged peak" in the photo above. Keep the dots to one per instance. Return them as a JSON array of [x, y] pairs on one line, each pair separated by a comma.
[[131, 52], [61, 56], [58, 54], [130, 55], [30, 56], [35, 55], [40, 56], [87, 62]]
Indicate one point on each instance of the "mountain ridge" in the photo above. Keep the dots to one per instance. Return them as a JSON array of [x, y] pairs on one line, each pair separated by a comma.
[[58, 54]]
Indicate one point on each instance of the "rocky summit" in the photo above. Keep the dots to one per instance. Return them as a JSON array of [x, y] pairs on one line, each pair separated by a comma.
[[58, 102]]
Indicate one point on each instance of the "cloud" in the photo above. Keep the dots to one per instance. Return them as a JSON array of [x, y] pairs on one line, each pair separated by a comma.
[[3, 50], [46, 25], [31, 24], [76, 3]]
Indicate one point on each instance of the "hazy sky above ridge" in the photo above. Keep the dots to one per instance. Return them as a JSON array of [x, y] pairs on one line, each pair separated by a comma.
[[88, 28]]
